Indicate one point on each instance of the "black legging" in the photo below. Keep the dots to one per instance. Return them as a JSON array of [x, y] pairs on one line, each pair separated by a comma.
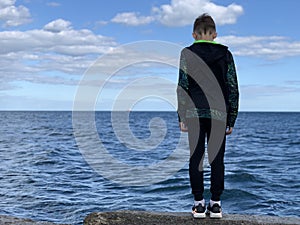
[[197, 149]]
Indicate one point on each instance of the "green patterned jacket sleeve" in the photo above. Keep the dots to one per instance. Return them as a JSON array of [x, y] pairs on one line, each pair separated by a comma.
[[233, 91], [182, 89]]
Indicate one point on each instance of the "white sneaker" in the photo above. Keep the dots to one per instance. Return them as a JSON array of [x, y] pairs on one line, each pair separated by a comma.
[[215, 211], [198, 211]]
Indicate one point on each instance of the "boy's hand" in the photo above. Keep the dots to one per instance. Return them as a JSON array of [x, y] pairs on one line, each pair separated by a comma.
[[183, 127], [229, 130]]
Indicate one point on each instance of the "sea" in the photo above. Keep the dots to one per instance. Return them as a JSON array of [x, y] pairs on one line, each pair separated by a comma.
[[49, 170]]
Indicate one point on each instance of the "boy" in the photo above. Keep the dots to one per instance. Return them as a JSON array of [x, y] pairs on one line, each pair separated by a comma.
[[198, 113]]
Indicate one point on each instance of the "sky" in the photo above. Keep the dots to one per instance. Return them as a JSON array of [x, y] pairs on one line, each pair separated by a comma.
[[49, 47]]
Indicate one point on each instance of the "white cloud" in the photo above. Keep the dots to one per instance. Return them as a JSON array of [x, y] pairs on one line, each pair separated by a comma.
[[132, 19], [261, 97], [58, 25], [182, 13], [53, 4], [271, 47], [28, 55], [100, 23], [8, 102], [6, 3], [293, 82], [223, 14], [250, 91], [56, 37], [12, 15]]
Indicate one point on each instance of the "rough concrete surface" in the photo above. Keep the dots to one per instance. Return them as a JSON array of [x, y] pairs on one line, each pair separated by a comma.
[[9, 220], [166, 218]]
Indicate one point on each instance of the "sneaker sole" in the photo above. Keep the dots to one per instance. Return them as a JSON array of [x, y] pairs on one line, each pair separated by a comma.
[[215, 215], [199, 215]]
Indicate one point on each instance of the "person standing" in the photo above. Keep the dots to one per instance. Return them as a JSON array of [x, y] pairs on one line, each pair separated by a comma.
[[198, 113]]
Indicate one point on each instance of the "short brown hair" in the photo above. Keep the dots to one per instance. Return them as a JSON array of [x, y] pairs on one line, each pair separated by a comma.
[[203, 24]]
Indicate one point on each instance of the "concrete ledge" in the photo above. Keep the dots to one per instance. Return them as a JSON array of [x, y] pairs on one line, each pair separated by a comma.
[[184, 218], [9, 220]]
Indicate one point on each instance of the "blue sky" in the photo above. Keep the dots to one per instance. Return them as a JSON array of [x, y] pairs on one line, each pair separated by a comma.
[[47, 46]]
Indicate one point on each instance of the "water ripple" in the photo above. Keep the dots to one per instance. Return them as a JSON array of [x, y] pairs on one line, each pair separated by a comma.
[[45, 177]]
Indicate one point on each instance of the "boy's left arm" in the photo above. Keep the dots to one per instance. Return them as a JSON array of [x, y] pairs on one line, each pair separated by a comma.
[[233, 90]]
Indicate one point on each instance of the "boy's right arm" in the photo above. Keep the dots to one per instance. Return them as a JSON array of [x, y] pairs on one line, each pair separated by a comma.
[[182, 96]]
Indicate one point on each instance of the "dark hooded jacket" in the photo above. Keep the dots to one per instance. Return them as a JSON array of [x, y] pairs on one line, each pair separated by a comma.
[[207, 84]]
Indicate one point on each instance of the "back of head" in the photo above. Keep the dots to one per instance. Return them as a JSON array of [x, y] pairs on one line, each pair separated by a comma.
[[204, 24]]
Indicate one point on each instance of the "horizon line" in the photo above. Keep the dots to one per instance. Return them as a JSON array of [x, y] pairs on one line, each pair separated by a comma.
[[62, 110]]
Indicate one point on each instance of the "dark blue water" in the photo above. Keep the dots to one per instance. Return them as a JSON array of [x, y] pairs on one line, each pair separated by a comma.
[[44, 176]]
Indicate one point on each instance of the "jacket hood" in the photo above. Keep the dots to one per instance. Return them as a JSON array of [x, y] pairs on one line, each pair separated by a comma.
[[209, 51]]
